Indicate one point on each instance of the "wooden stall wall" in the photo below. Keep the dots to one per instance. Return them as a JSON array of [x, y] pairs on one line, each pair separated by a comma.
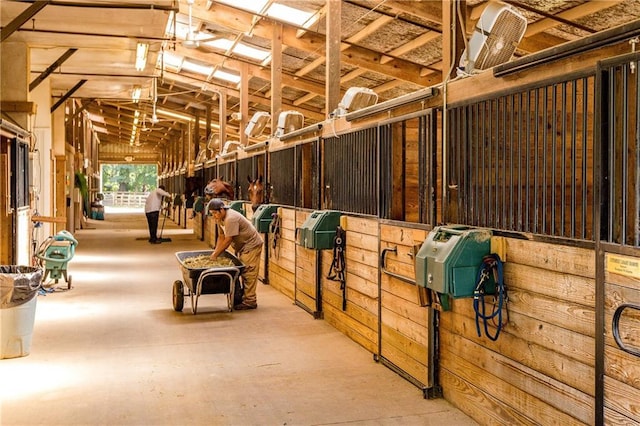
[[406, 329], [306, 294], [540, 370], [209, 230], [359, 320], [198, 225], [282, 250]]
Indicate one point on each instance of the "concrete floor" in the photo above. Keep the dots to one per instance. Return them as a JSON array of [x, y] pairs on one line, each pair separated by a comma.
[[112, 351]]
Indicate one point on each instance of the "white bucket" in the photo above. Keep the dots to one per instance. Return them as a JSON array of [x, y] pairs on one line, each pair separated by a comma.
[[16, 329]]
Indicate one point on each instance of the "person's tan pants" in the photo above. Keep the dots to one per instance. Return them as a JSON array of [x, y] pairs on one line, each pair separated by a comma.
[[251, 261]]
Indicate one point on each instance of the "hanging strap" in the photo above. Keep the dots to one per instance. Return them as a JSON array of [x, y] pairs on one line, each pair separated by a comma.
[[336, 271], [274, 230], [490, 281]]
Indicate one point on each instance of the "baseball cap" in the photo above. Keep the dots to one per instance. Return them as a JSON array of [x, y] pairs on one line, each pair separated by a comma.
[[216, 204]]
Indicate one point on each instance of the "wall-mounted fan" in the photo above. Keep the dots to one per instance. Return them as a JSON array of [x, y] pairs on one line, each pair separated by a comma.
[[288, 121], [257, 124], [495, 38], [230, 146], [202, 156], [213, 143]]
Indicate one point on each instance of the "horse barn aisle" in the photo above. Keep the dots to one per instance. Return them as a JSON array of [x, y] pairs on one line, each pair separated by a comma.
[[112, 351]]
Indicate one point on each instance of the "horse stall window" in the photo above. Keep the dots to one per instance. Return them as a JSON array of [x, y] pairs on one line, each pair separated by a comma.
[[407, 169], [524, 161], [351, 172], [227, 172], [209, 173], [281, 178], [307, 175], [19, 173], [620, 209], [252, 168], [245, 168]]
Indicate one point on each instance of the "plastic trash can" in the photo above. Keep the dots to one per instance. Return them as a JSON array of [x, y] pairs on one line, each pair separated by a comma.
[[19, 287]]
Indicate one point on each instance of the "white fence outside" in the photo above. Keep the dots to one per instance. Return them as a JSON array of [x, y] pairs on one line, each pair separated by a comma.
[[124, 199]]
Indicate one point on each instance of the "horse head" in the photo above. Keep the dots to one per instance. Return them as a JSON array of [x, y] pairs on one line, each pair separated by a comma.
[[256, 192], [219, 188]]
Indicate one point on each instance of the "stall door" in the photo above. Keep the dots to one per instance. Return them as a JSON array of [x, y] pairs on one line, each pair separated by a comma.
[[618, 256]]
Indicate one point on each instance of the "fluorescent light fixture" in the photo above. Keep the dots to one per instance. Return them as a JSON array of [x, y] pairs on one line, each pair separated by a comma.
[[245, 50], [171, 60], [134, 129], [289, 14], [276, 10], [136, 93], [255, 6], [197, 68], [241, 49], [184, 117], [172, 114], [141, 56], [227, 76]]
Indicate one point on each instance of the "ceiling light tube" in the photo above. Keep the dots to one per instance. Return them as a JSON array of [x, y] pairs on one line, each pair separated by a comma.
[[407, 99], [141, 56], [136, 93], [184, 117]]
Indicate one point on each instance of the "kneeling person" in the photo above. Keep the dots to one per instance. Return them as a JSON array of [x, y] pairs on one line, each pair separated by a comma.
[[235, 230]]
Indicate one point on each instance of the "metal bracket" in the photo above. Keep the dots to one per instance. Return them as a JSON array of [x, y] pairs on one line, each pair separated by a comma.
[[633, 42]]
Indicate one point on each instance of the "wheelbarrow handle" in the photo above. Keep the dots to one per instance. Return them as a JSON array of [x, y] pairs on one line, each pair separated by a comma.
[[66, 235]]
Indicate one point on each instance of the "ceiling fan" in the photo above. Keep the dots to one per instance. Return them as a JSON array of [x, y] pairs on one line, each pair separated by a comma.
[[214, 142], [146, 128], [191, 42]]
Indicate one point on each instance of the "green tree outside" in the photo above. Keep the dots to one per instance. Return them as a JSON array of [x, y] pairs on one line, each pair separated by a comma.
[[129, 177]]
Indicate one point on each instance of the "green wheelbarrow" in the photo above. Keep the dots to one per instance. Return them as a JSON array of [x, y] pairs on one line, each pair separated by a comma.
[[56, 251]]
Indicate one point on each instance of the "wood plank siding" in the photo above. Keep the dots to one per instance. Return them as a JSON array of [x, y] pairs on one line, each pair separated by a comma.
[[548, 163]]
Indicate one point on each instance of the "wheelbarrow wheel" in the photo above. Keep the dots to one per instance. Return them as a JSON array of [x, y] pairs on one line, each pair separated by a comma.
[[178, 296]]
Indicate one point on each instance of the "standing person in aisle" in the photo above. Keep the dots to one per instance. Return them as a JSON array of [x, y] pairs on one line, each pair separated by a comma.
[[152, 210], [235, 230]]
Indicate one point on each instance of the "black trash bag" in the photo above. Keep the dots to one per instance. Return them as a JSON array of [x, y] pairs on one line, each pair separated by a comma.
[[18, 284]]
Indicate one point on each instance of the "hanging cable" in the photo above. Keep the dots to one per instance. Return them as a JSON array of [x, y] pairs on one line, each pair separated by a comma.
[[490, 281], [338, 266]]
